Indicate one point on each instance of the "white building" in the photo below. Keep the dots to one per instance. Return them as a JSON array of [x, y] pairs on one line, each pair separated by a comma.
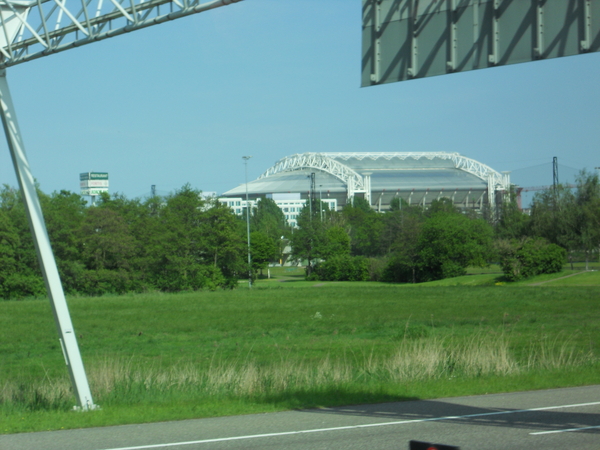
[[237, 204], [289, 203]]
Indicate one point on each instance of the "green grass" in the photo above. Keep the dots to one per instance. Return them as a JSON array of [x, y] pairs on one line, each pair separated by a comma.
[[296, 344], [577, 279]]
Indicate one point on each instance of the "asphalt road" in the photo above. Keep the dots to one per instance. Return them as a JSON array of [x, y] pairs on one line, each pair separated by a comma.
[[552, 419]]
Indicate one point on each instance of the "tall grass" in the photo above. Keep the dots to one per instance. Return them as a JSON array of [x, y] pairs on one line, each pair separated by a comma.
[[124, 381]]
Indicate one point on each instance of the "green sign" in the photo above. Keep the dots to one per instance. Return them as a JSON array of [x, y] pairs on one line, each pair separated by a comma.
[[93, 191], [93, 176], [407, 39]]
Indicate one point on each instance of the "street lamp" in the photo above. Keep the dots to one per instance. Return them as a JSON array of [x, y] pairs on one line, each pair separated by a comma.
[[246, 158], [321, 201]]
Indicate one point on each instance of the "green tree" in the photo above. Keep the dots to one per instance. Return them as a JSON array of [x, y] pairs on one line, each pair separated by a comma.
[[263, 249], [106, 240], [395, 222], [365, 228], [442, 205], [174, 243], [64, 212], [405, 262], [450, 242], [268, 218], [12, 203], [587, 214], [512, 223], [107, 248], [554, 217], [309, 238], [20, 275], [225, 242], [16, 279], [336, 243]]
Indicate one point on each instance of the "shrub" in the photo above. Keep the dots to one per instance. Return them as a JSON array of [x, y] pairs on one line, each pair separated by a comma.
[[376, 268], [449, 243], [400, 270], [18, 286], [343, 268], [530, 257]]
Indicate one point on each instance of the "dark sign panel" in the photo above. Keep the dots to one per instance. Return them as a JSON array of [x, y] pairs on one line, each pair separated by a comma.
[[405, 39]]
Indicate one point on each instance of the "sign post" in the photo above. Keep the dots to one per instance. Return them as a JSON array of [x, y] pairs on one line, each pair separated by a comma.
[[93, 184]]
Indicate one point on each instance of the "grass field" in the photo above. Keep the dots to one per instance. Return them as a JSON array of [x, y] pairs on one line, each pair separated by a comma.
[[288, 343]]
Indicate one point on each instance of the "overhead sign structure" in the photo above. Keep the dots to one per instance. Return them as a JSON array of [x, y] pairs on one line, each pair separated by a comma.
[[407, 39], [31, 29]]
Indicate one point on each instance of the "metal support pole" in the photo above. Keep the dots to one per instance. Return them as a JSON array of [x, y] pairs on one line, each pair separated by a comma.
[[321, 201], [246, 158], [67, 337]]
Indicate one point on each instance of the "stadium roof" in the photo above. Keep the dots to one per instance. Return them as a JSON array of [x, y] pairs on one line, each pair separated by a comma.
[[416, 177]]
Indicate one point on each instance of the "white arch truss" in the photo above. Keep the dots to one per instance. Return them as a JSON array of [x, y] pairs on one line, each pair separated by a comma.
[[320, 161], [494, 179], [329, 162]]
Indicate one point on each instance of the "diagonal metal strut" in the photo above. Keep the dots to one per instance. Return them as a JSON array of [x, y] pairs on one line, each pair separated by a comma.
[[37, 28], [68, 340]]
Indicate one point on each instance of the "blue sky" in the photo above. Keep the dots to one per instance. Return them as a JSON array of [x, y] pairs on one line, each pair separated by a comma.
[[182, 102]]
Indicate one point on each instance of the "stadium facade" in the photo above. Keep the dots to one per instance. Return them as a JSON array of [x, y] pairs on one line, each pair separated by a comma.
[[417, 178]]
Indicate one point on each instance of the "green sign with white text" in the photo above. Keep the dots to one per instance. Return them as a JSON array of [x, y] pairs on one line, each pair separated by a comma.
[[93, 176]]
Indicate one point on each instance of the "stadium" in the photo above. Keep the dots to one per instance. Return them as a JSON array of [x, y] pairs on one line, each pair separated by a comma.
[[417, 178]]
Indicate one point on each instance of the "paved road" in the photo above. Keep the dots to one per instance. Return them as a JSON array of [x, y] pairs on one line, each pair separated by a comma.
[[552, 419]]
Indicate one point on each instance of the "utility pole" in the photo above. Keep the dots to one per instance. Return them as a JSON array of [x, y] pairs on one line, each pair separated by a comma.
[[246, 158], [554, 173], [555, 183]]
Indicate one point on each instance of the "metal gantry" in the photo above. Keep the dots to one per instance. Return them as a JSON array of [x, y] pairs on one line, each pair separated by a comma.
[[34, 29]]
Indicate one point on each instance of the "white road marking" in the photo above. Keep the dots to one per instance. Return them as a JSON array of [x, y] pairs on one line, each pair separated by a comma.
[[352, 427], [563, 431]]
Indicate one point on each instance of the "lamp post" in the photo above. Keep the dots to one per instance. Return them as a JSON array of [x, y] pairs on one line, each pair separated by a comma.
[[321, 201], [246, 158]]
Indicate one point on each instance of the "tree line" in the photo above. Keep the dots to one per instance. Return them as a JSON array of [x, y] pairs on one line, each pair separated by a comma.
[[410, 244], [184, 241]]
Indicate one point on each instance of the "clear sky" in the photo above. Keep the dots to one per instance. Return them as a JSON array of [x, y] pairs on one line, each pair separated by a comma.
[[182, 102]]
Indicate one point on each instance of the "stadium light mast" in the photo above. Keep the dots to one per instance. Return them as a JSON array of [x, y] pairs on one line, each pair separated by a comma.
[[32, 29], [246, 158]]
